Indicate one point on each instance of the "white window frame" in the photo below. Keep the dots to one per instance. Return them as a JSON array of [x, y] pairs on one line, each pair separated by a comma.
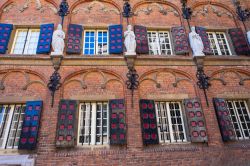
[[8, 122], [158, 42], [95, 41], [92, 107], [171, 133], [233, 102], [217, 43], [26, 40]]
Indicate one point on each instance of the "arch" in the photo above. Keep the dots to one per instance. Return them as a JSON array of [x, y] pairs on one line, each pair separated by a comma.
[[75, 4], [160, 2], [227, 8]]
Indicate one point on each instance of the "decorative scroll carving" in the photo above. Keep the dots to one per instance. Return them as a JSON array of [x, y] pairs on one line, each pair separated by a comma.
[[204, 11], [26, 75], [221, 76], [149, 9], [91, 5], [25, 6]]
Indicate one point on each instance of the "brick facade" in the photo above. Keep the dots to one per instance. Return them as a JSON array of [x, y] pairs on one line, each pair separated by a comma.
[[97, 78]]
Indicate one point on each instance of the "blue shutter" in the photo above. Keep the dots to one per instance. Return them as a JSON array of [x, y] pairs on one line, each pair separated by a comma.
[[29, 133], [115, 39], [5, 32], [74, 40], [45, 39]]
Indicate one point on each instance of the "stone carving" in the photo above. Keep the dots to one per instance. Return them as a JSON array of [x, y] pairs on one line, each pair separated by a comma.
[[58, 41], [206, 9], [248, 36], [130, 42], [162, 10], [196, 43], [91, 5]]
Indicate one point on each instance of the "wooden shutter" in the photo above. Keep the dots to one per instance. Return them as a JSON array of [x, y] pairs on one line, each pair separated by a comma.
[[30, 128], [45, 39], [203, 34], [117, 122], [148, 122], [141, 38], [66, 124], [74, 39], [224, 119], [239, 41], [5, 32], [180, 40], [196, 120], [115, 39]]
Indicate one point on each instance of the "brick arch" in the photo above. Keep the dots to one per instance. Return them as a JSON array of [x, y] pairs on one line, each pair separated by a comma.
[[160, 2], [79, 2], [227, 8], [79, 77], [185, 77]]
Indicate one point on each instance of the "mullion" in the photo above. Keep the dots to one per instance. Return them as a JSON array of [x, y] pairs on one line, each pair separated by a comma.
[[102, 121], [4, 118], [10, 127], [90, 124], [21, 107], [83, 121], [25, 41]]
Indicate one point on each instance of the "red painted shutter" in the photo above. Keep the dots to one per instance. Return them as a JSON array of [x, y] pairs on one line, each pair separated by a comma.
[[115, 39], [239, 41], [5, 32], [74, 42], [117, 122], [30, 128], [45, 39], [148, 122], [203, 34], [141, 38], [66, 124], [196, 120], [224, 119], [180, 40]]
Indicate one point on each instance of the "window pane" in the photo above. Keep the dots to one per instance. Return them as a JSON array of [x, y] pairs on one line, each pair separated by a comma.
[[32, 41], [20, 37], [89, 43]]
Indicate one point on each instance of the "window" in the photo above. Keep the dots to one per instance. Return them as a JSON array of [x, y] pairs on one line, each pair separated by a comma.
[[170, 122], [95, 42], [93, 124], [240, 117], [25, 41], [219, 43], [159, 43], [11, 120]]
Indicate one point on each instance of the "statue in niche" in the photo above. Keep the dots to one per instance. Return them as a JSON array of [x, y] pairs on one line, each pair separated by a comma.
[[130, 42], [58, 41], [196, 43], [248, 36]]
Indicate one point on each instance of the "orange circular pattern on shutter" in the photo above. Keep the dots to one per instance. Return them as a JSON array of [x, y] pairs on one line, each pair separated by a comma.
[[31, 140], [145, 116], [121, 115], [113, 136], [69, 138], [23, 140], [114, 116], [152, 126], [203, 133], [154, 136], [201, 124], [113, 126], [122, 136], [146, 136], [150, 106], [191, 114], [195, 134], [199, 114], [122, 126], [62, 127], [151, 116], [145, 125], [193, 124]]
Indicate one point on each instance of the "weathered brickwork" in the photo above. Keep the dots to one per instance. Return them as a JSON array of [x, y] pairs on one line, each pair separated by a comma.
[[162, 78]]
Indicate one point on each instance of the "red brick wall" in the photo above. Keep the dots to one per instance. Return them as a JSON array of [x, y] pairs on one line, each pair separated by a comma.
[[174, 76]]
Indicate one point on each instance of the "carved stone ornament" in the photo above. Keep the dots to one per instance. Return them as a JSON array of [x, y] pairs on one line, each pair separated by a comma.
[[25, 6], [204, 11], [90, 6], [149, 9]]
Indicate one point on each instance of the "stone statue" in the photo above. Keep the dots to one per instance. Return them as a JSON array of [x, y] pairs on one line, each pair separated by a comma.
[[196, 43], [130, 42], [58, 41], [248, 36], [154, 47]]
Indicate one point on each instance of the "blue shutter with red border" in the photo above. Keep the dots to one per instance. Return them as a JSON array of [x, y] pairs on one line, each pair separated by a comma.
[[180, 40], [45, 39], [148, 122], [141, 38], [30, 128], [196, 120], [74, 40], [203, 34], [117, 122], [66, 124], [224, 120], [239, 41], [115, 39], [5, 32]]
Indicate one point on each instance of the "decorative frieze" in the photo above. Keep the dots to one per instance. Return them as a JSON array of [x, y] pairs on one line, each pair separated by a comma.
[[205, 10]]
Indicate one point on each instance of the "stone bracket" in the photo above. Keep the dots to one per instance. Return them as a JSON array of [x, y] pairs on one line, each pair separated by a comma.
[[130, 59], [56, 60], [199, 61]]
